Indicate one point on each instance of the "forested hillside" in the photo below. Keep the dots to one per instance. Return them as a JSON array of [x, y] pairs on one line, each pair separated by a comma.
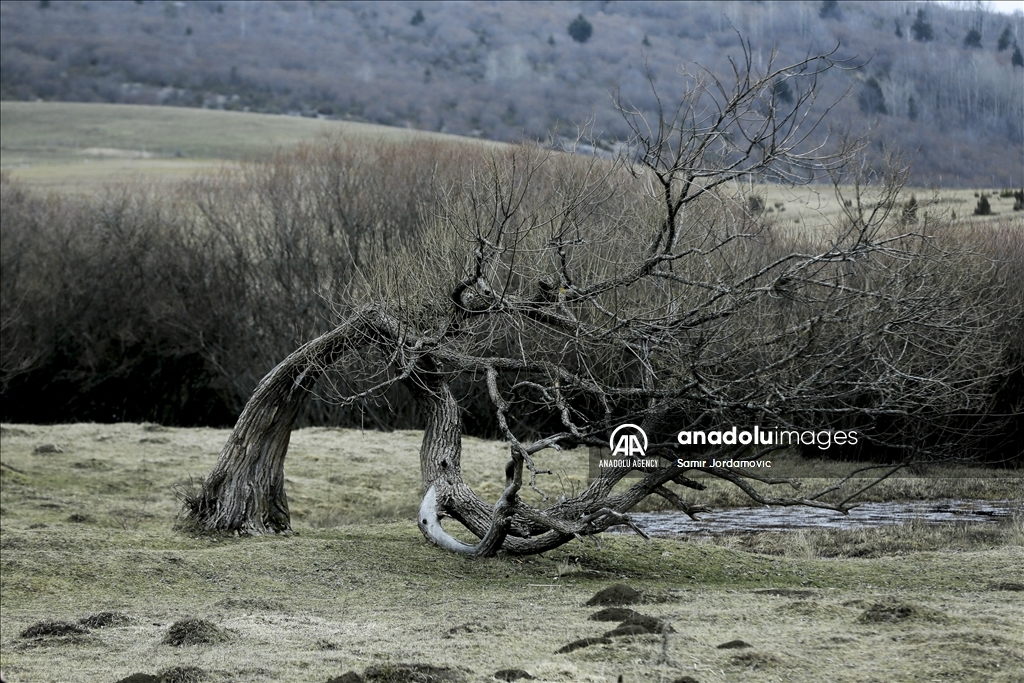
[[943, 83]]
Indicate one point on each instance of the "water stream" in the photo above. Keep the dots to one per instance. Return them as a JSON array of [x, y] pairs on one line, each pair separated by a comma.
[[867, 515]]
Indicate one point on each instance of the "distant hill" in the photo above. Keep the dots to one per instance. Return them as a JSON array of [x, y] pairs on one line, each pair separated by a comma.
[[941, 84]]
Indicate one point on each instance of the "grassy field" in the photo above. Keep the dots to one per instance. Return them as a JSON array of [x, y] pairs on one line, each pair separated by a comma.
[[81, 146], [86, 517]]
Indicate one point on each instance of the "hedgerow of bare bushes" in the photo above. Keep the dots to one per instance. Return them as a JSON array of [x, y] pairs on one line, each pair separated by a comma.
[[169, 303]]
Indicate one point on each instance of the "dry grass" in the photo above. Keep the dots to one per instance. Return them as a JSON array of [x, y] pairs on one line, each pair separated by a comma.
[[352, 591], [82, 147]]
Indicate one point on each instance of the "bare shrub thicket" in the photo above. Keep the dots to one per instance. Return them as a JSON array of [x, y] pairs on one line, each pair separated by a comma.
[[169, 304]]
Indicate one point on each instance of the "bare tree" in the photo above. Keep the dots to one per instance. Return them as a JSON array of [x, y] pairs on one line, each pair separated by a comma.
[[580, 294]]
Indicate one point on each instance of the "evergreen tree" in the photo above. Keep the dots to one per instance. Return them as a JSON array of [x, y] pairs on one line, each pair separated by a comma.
[[580, 29], [909, 210], [921, 29], [973, 38], [983, 208], [1018, 58], [417, 18], [830, 10], [1004, 39], [781, 91], [899, 31], [912, 108], [871, 99]]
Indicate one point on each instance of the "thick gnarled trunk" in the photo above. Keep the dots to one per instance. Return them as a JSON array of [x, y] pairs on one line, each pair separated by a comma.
[[245, 491]]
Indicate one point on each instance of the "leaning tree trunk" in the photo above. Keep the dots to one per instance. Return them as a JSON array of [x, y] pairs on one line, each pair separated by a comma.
[[244, 493]]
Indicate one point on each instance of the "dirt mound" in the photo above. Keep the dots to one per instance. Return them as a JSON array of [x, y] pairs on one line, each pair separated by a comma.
[[734, 644], [582, 643], [48, 629], [412, 673], [617, 594], [639, 624], [613, 614], [181, 674], [139, 678], [105, 619], [1007, 586], [347, 677], [892, 612], [194, 632], [512, 675]]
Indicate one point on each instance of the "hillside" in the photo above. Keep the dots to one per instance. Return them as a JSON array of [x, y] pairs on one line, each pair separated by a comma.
[[941, 85]]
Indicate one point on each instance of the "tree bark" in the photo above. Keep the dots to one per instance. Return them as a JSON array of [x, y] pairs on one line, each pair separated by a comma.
[[244, 493]]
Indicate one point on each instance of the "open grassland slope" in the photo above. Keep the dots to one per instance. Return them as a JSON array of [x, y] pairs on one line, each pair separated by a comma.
[[82, 146], [96, 585]]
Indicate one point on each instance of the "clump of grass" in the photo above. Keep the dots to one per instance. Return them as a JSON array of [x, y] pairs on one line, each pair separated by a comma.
[[754, 660], [613, 614], [193, 631], [894, 611], [251, 604], [181, 674], [512, 675], [53, 628], [421, 673], [347, 677], [105, 619], [619, 594], [139, 678]]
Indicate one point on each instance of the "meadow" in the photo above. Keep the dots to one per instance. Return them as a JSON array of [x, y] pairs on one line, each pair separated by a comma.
[[88, 515], [81, 147]]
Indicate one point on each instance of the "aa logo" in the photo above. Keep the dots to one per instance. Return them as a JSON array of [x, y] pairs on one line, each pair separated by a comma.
[[628, 441]]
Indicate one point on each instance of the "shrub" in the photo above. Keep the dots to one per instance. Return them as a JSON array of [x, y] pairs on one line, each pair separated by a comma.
[[983, 208], [909, 210], [755, 204], [580, 29], [1004, 39], [921, 29], [830, 10], [871, 99]]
